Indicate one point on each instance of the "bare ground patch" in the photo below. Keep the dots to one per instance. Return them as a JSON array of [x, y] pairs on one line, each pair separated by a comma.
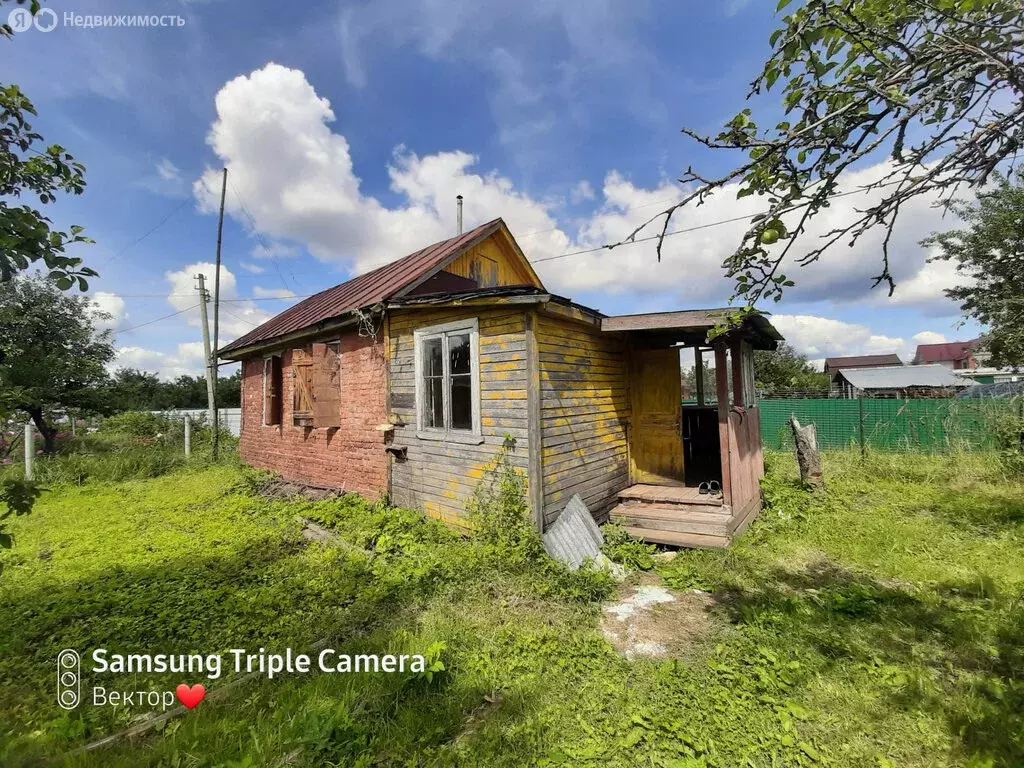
[[648, 620]]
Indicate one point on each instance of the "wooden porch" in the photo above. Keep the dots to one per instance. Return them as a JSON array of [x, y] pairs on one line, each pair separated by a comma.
[[675, 449], [680, 516]]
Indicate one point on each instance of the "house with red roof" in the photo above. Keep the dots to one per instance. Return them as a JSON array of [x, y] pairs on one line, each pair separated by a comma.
[[957, 355], [408, 382]]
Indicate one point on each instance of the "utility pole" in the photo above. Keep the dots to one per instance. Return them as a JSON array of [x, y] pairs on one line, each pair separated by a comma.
[[211, 398], [216, 315]]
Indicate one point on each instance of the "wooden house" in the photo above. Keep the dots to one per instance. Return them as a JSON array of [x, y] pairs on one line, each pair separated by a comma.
[[405, 381]]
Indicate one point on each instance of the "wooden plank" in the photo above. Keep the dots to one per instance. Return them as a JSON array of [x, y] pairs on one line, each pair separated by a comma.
[[688, 540], [533, 403], [670, 494], [722, 392]]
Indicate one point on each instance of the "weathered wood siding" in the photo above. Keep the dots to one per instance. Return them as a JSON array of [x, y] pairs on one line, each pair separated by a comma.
[[497, 255], [584, 415], [436, 476]]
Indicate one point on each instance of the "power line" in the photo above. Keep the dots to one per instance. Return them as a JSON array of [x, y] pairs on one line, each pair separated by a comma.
[[259, 236], [621, 210], [155, 320], [240, 319], [138, 240]]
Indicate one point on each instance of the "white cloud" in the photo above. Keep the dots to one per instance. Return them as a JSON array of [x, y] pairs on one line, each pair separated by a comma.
[[236, 316], [167, 170], [821, 337], [256, 269], [582, 191], [109, 304], [186, 360], [299, 182], [272, 293], [274, 250]]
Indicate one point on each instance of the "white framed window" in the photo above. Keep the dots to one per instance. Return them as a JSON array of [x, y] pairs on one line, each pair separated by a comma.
[[447, 366]]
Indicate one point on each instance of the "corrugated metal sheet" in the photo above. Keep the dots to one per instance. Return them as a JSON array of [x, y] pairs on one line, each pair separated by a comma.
[[574, 536], [363, 291], [903, 376]]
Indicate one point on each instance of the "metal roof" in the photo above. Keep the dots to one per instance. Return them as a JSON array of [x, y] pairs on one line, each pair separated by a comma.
[[904, 376], [366, 289], [861, 361], [938, 353]]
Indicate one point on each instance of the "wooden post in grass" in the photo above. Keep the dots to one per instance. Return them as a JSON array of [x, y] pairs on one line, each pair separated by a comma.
[[30, 451], [188, 435], [807, 456]]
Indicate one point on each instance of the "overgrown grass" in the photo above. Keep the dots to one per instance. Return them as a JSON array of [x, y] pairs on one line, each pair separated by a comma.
[[878, 623]]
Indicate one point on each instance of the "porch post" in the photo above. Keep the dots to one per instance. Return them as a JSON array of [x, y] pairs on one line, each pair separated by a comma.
[[736, 349], [722, 391], [698, 357]]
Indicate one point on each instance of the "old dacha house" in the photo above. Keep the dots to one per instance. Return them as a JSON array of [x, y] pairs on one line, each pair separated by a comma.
[[405, 381]]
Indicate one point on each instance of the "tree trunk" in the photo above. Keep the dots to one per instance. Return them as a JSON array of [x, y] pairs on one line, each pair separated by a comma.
[[807, 456], [49, 433]]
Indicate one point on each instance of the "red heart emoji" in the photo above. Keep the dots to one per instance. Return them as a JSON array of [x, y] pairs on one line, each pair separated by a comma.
[[190, 696]]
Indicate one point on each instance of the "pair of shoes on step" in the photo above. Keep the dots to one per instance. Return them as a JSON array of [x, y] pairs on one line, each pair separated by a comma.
[[713, 488]]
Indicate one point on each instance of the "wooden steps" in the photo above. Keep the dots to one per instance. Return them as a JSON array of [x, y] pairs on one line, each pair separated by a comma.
[[679, 516]]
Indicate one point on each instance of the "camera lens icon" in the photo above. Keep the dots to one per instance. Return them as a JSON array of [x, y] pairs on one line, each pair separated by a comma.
[[69, 678]]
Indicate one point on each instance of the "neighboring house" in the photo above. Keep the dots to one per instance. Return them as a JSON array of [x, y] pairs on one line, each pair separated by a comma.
[[989, 375], [404, 383], [900, 382], [956, 355]]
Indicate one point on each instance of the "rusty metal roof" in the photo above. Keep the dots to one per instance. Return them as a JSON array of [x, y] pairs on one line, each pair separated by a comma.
[[861, 361], [365, 290]]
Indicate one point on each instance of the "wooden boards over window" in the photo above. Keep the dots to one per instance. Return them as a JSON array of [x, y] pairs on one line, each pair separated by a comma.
[[316, 400], [272, 390], [327, 384]]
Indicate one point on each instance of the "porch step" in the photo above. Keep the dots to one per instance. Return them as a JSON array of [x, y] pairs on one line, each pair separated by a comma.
[[672, 517], [669, 494], [689, 540]]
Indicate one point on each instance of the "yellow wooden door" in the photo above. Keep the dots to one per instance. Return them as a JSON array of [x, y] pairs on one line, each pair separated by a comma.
[[656, 444]]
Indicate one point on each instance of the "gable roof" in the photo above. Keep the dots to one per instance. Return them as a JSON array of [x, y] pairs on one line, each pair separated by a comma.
[[940, 353], [904, 376], [372, 287], [861, 361]]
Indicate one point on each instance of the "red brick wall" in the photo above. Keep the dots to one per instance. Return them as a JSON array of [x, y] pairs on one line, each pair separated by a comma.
[[349, 458]]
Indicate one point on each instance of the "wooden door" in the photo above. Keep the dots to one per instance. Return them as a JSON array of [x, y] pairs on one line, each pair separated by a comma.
[[656, 443]]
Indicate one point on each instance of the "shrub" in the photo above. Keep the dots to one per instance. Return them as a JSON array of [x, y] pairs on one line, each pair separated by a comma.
[[136, 424]]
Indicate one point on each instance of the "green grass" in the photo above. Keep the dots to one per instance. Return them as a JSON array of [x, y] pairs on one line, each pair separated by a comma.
[[878, 623]]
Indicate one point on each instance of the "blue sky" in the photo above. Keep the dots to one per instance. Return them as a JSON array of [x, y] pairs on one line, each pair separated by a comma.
[[349, 128]]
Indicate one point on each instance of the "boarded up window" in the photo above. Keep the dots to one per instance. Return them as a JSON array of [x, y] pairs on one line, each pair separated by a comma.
[[316, 370], [272, 390], [302, 391], [327, 384], [484, 271]]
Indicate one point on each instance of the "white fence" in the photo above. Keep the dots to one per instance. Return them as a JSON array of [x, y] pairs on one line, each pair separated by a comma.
[[229, 418]]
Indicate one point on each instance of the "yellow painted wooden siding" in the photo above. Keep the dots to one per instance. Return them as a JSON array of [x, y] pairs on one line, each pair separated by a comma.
[[584, 409], [439, 477], [492, 251]]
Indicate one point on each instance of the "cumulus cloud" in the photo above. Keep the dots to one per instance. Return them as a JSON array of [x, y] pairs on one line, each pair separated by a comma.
[[299, 182], [110, 308], [821, 337], [186, 360], [272, 293], [237, 316]]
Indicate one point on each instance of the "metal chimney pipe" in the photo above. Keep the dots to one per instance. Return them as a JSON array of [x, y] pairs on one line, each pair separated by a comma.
[[458, 205]]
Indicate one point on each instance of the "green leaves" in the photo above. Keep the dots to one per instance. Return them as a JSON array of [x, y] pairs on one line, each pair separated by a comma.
[[25, 233]]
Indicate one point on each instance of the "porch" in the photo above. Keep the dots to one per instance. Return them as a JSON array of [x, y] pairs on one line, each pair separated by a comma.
[[676, 450]]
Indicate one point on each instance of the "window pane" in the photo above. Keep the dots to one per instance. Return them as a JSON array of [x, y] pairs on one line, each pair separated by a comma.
[[462, 402], [432, 357], [458, 353], [433, 402]]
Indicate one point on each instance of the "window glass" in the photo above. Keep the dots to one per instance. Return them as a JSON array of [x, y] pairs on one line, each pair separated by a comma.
[[462, 403], [433, 383], [458, 353]]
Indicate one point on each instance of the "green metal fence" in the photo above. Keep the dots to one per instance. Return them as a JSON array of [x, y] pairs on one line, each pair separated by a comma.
[[920, 424]]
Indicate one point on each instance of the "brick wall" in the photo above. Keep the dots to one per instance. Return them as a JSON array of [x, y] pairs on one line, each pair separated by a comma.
[[349, 458]]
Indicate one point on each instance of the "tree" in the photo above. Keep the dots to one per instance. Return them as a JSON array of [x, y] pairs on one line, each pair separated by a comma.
[[28, 168], [937, 86], [785, 368], [53, 354], [989, 253]]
